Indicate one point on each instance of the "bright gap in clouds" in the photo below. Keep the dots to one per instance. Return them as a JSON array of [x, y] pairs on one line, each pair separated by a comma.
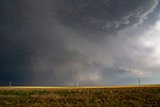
[[151, 41]]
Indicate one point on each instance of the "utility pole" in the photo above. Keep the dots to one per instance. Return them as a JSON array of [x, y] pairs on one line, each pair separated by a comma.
[[10, 83], [77, 84], [139, 81]]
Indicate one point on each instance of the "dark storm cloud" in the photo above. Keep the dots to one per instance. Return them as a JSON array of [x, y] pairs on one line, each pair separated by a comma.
[[104, 14], [58, 42]]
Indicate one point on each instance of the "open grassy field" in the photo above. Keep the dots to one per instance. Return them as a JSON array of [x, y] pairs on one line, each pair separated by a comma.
[[128, 96]]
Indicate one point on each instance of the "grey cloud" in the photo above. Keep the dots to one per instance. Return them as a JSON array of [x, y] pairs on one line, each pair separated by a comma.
[[62, 41], [105, 14]]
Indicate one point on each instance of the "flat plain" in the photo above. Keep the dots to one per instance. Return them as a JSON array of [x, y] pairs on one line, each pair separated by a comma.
[[88, 96]]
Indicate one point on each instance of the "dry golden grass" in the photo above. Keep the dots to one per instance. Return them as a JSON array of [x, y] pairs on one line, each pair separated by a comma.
[[81, 96]]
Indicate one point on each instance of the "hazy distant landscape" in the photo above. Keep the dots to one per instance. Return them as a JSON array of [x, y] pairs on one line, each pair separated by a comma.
[[134, 96]]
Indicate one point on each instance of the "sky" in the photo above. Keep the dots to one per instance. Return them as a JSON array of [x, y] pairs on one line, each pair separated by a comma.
[[92, 42]]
